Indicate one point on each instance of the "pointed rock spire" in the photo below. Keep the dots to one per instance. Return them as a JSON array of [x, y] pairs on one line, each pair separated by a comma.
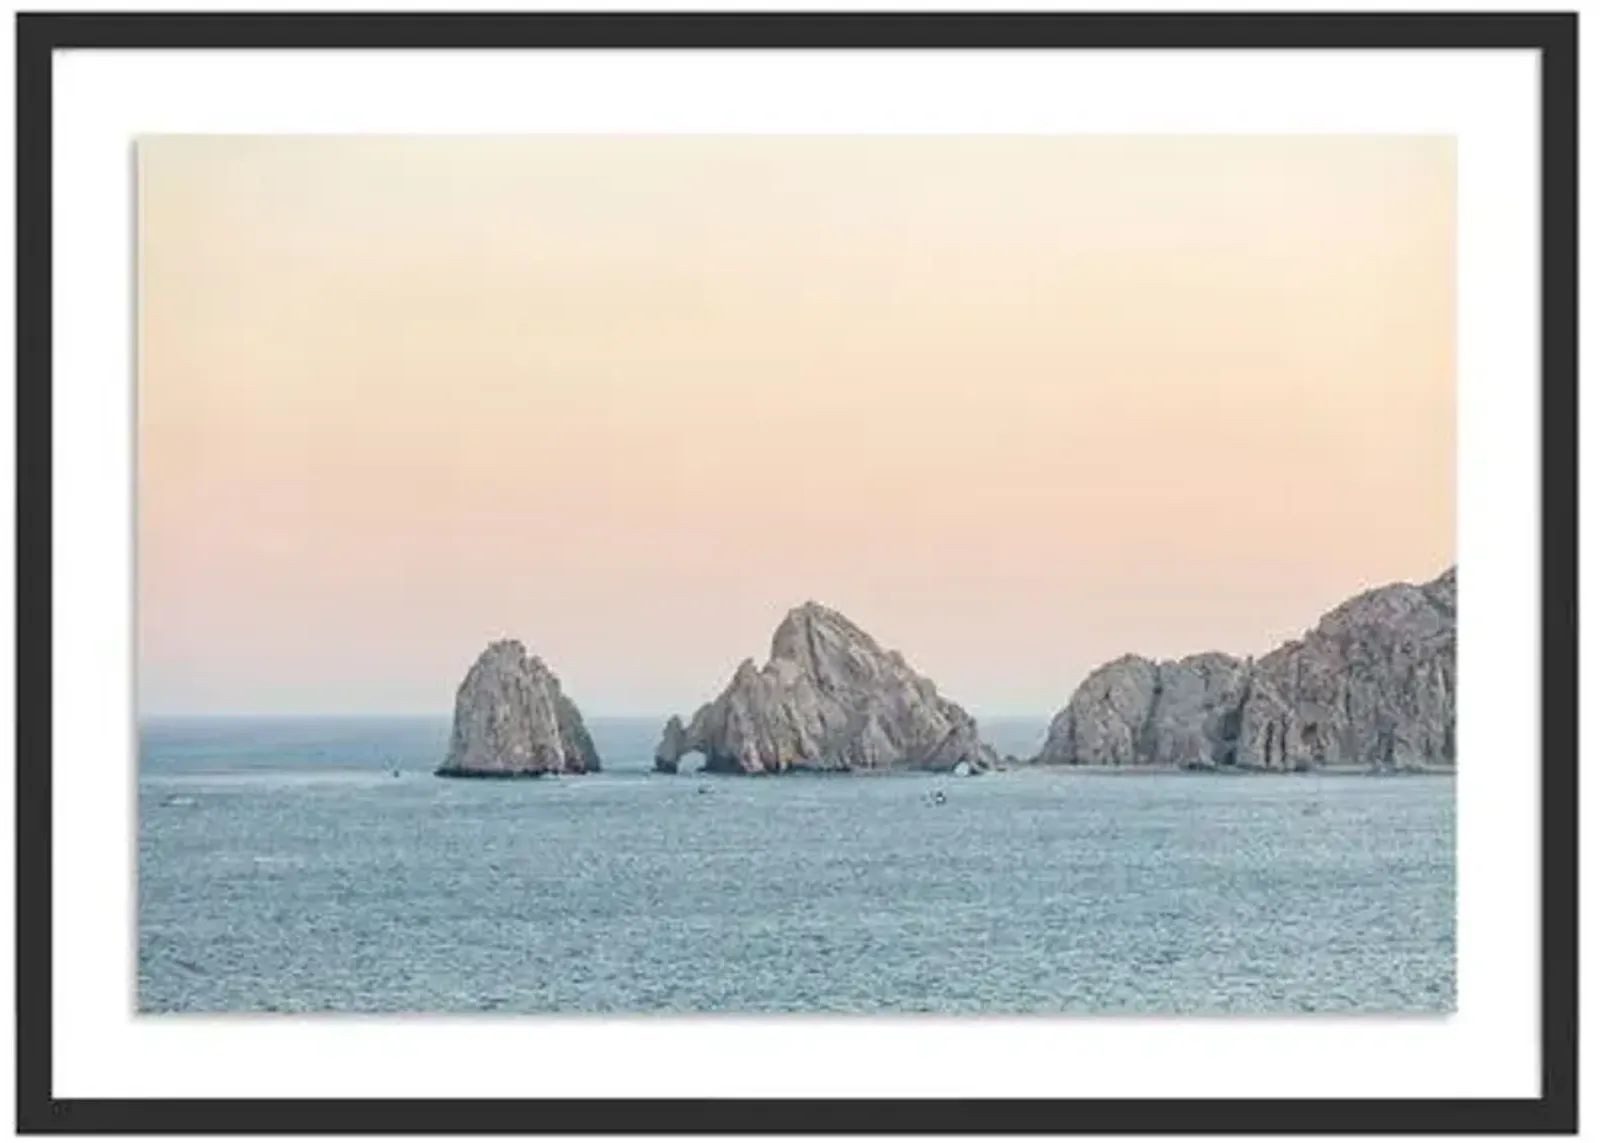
[[829, 698], [512, 720]]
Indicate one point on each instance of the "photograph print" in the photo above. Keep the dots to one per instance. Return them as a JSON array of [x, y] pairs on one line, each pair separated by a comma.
[[881, 574]]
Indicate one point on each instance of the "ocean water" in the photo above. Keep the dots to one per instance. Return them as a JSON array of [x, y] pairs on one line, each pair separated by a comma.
[[282, 867]]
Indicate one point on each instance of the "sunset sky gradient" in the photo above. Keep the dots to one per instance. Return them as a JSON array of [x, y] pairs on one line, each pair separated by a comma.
[[1016, 405]]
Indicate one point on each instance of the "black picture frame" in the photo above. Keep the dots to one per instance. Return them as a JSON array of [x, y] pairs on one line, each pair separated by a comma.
[[1553, 35]]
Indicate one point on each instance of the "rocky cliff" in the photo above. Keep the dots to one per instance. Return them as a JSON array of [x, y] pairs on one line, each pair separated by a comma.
[[512, 720], [1372, 685], [829, 698]]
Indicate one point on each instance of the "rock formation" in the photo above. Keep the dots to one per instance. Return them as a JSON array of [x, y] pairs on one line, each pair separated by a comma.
[[512, 720], [674, 745], [1136, 712], [829, 698], [1372, 685]]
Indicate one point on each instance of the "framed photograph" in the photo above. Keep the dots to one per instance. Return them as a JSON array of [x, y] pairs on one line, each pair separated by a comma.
[[946, 528]]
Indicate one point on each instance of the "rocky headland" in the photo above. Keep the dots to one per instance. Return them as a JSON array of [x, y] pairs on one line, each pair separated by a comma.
[[1372, 686], [513, 721], [829, 699]]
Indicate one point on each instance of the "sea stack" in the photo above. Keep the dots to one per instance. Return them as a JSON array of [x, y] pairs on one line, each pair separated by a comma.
[[513, 721], [1372, 686], [674, 744], [829, 698]]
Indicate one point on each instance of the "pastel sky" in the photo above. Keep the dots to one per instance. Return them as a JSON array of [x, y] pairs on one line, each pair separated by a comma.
[[1016, 405]]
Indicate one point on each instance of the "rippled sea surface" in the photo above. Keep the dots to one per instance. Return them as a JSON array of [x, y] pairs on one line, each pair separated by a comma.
[[283, 866]]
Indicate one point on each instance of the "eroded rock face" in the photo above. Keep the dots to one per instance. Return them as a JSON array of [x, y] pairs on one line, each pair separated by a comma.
[[1372, 685], [1137, 712], [674, 745], [829, 698], [512, 720]]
